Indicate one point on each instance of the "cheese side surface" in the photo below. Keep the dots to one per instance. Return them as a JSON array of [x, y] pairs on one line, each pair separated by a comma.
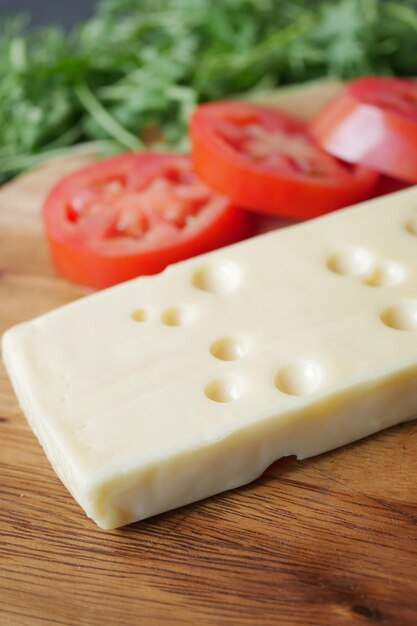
[[168, 389]]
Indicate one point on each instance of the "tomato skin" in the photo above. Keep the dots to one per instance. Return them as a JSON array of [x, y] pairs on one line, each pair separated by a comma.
[[359, 129], [100, 264], [264, 190], [387, 185]]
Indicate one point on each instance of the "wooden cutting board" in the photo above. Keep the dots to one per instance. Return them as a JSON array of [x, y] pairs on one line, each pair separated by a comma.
[[328, 541]]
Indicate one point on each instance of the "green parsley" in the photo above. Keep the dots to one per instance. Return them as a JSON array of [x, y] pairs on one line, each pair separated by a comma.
[[132, 73]]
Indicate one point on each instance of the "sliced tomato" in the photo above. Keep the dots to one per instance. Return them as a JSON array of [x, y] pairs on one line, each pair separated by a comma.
[[373, 122], [268, 162], [386, 185], [135, 214]]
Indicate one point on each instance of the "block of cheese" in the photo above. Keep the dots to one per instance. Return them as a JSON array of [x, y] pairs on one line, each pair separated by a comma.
[[168, 389]]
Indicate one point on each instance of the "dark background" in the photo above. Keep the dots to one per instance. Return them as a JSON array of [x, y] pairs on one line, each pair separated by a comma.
[[64, 12]]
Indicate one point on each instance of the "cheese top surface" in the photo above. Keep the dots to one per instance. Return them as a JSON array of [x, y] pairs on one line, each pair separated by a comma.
[[161, 365]]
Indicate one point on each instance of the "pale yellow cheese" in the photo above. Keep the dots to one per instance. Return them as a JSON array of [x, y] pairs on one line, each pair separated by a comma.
[[165, 390]]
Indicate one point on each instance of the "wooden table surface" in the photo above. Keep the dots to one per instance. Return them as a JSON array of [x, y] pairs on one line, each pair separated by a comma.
[[328, 541]]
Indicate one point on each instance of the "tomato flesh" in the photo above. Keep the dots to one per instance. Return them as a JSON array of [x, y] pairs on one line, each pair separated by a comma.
[[135, 214], [292, 153], [396, 95], [268, 162], [114, 209], [373, 122]]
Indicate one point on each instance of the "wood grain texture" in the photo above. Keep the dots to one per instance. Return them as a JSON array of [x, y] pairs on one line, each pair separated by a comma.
[[330, 541]]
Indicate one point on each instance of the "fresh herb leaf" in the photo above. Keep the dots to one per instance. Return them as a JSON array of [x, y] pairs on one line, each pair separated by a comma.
[[132, 73]]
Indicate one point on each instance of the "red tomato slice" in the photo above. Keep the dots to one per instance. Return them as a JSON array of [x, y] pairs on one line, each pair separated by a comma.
[[267, 161], [386, 185], [135, 214], [373, 122]]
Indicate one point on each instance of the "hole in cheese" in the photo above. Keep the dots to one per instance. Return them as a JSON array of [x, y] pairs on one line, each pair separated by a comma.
[[221, 277], [386, 274], [299, 378], [223, 389], [229, 348], [401, 316], [351, 262], [411, 226], [176, 316], [139, 315]]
